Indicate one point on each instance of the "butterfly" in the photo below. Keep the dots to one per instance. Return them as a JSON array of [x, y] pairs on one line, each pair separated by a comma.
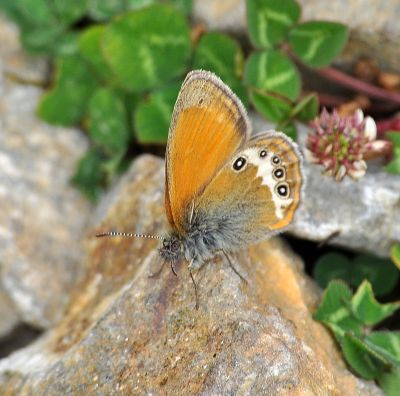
[[224, 188]]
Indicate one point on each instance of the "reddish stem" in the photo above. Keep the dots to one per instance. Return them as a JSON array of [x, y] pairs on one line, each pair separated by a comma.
[[359, 85], [331, 100], [328, 100]]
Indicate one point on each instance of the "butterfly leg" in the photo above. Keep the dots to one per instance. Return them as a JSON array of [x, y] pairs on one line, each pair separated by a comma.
[[158, 272], [194, 283], [233, 268], [173, 269]]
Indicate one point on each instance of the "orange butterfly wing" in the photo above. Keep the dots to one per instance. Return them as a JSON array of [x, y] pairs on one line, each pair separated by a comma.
[[209, 124]]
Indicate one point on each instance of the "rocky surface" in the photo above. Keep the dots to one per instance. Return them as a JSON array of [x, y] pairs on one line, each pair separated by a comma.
[[362, 215], [8, 314], [374, 27], [42, 216], [126, 333]]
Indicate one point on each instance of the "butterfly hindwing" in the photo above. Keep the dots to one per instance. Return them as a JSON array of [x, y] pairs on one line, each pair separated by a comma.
[[209, 124], [256, 193]]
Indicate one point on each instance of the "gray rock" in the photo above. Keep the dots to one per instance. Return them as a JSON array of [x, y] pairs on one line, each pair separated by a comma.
[[229, 15], [42, 217], [127, 334], [8, 314], [362, 215], [373, 25]]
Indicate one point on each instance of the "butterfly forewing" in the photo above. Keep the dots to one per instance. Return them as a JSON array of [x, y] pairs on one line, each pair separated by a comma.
[[208, 126], [256, 193]]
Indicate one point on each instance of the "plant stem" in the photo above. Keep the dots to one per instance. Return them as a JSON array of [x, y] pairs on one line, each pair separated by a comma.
[[331, 100], [359, 85]]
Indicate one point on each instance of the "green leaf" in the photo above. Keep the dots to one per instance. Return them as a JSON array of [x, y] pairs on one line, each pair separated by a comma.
[[147, 48], [272, 71], [41, 39], [394, 136], [361, 358], [332, 266], [184, 6], [29, 12], [101, 10], [336, 296], [66, 102], [380, 272], [70, 11], [335, 310], [367, 309], [42, 24], [390, 382], [395, 254], [317, 43], [67, 44], [10, 9], [131, 101], [89, 46], [89, 175], [307, 109], [271, 107], [138, 4], [394, 165], [386, 343], [153, 115], [109, 121], [222, 55], [268, 21]]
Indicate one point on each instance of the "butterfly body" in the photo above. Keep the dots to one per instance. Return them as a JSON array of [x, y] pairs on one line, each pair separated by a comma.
[[224, 190]]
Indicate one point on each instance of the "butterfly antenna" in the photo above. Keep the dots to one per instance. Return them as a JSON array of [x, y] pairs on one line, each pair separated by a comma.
[[127, 234]]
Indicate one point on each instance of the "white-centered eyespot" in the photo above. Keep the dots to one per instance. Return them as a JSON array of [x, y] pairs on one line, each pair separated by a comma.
[[276, 160], [283, 190], [279, 173], [263, 153], [239, 164]]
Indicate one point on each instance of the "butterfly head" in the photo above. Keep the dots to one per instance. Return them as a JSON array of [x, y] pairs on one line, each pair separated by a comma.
[[172, 249]]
